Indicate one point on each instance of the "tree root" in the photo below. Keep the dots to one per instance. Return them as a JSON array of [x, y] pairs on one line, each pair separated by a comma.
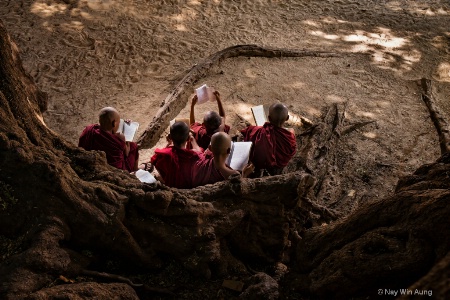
[[436, 116], [118, 278], [177, 99]]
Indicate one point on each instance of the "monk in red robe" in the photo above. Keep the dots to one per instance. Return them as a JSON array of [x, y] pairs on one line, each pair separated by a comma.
[[211, 167], [273, 145], [212, 122], [174, 163], [104, 137]]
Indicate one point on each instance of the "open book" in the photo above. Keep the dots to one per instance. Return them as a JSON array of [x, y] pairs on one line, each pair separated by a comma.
[[128, 129], [239, 155], [205, 94], [260, 114], [145, 176]]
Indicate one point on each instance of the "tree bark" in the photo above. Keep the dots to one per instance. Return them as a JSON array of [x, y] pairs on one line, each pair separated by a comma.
[[63, 209]]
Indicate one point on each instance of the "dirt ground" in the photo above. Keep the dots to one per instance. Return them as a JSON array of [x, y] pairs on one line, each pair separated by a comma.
[[87, 54]]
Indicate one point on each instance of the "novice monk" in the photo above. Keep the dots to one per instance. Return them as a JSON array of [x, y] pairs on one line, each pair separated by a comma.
[[174, 163], [104, 137], [273, 146], [211, 167], [212, 122]]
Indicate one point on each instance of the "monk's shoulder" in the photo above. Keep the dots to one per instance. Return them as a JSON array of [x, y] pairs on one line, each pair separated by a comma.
[[196, 126]]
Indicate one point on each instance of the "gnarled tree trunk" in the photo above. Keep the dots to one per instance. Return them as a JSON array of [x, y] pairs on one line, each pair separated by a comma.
[[63, 209]]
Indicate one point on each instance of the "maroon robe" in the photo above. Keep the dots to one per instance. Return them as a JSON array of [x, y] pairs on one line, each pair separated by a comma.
[[204, 172], [94, 138], [175, 166], [273, 147], [202, 137]]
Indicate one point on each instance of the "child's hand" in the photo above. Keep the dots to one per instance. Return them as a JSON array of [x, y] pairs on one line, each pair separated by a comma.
[[217, 94], [191, 136], [194, 100]]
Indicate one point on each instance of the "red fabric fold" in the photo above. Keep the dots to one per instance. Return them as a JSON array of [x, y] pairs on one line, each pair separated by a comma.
[[202, 137], [175, 166], [94, 138], [204, 172], [273, 147]]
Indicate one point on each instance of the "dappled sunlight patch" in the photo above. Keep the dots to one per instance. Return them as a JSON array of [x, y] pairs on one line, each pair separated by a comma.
[[385, 38], [180, 27], [87, 16], [295, 119], [383, 104], [366, 114], [74, 25], [250, 73], [294, 85], [335, 99], [311, 23], [48, 26], [184, 17], [388, 50], [324, 35], [417, 7], [98, 4], [194, 2], [370, 135], [439, 42], [244, 110], [45, 10], [443, 72]]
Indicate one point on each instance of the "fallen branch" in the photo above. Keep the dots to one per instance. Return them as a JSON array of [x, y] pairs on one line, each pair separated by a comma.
[[437, 117], [350, 128], [177, 99]]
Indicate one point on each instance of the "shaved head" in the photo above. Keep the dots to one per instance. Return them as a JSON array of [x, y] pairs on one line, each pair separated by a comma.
[[278, 114], [179, 133], [108, 117], [220, 143], [212, 121]]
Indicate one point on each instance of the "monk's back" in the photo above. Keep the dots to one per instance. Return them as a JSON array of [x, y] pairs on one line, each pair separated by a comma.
[[202, 136], [204, 172], [175, 165], [94, 138], [273, 146]]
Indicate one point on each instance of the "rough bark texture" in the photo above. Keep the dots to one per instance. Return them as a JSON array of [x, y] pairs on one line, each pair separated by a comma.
[[64, 213]]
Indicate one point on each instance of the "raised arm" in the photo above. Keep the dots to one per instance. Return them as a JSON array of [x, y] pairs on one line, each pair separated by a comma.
[[192, 115], [219, 104]]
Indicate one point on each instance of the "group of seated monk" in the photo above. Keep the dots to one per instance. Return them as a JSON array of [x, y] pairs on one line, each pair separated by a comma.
[[197, 155]]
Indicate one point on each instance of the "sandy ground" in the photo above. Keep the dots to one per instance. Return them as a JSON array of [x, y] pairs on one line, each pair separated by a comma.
[[87, 54]]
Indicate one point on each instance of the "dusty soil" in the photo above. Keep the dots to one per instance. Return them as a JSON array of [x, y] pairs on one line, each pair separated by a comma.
[[87, 54], [129, 54]]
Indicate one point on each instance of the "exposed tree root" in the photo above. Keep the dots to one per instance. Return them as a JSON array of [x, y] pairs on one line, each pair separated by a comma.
[[178, 98], [437, 117], [61, 203], [391, 243]]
